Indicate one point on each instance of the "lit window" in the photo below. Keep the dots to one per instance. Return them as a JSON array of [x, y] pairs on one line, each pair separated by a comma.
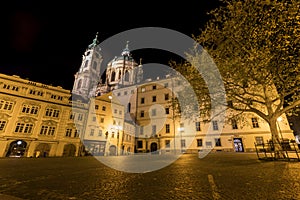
[[218, 142], [198, 128], [254, 122], [199, 143], [234, 124], [167, 128], [215, 125]]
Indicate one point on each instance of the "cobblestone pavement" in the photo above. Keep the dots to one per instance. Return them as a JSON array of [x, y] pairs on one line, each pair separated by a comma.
[[216, 176]]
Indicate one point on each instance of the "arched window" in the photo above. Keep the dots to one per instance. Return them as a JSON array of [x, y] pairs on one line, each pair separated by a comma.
[[120, 74], [128, 107], [113, 76], [126, 75], [86, 64], [79, 84], [94, 65]]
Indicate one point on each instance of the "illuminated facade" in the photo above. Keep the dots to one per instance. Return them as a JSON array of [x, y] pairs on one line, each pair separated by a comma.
[[119, 115], [158, 129], [35, 119]]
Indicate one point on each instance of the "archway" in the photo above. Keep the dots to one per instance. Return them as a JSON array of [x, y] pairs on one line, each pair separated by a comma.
[[42, 150], [112, 150], [69, 150], [17, 148]]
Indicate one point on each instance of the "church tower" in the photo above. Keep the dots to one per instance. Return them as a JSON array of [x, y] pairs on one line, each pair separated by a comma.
[[121, 71], [88, 76]]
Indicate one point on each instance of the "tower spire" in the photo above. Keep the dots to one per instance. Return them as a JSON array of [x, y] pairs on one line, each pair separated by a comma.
[[95, 41], [126, 51]]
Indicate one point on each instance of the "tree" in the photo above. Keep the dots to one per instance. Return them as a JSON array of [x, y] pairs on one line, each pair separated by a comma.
[[256, 47]]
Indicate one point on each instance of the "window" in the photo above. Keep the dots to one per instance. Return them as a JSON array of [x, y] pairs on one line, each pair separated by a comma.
[[166, 97], [96, 107], [167, 128], [102, 120], [199, 143], [86, 64], [50, 112], [23, 128], [103, 108], [142, 100], [94, 65], [29, 109], [141, 130], [92, 132], [153, 130], [182, 142], [128, 107], [126, 76], [218, 142], [259, 140], [72, 116], [153, 112], [143, 89], [68, 132], [208, 144], [166, 85], [230, 104], [100, 133], [47, 130], [153, 98], [181, 127], [115, 111], [79, 84], [234, 124], [113, 76], [198, 128], [167, 111], [139, 144], [254, 122], [153, 87], [77, 133], [120, 73], [215, 125], [167, 143], [2, 125], [125, 92], [80, 117], [5, 105], [142, 113], [94, 119]]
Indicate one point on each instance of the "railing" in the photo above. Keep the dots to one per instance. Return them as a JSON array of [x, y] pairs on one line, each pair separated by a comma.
[[289, 150]]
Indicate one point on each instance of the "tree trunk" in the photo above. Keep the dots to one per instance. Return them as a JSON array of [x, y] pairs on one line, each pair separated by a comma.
[[279, 153]]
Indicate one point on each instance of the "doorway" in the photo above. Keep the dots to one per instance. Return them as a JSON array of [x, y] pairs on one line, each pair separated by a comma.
[[238, 145], [17, 148], [153, 147]]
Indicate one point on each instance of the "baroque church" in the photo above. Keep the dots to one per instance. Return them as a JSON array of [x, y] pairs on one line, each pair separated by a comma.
[[121, 71]]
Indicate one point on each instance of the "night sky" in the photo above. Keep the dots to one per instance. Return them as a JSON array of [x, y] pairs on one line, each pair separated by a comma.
[[44, 40]]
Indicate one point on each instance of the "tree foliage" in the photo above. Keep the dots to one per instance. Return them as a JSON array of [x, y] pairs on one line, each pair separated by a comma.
[[256, 46]]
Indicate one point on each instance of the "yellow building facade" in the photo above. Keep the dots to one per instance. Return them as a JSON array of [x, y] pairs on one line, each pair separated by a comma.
[[35, 119]]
